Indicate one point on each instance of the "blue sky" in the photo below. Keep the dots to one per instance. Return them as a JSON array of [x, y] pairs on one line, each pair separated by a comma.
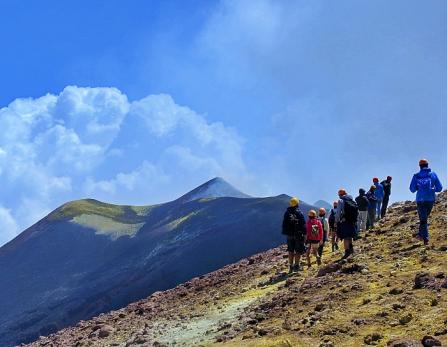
[[140, 101]]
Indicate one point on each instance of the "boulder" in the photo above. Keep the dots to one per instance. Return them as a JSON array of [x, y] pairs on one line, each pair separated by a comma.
[[403, 342], [429, 341]]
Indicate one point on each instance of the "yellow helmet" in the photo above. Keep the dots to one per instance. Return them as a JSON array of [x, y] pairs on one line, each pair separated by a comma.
[[294, 202], [312, 213]]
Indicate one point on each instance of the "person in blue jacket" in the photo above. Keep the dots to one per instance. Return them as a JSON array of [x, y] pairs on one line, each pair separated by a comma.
[[426, 183], [380, 194]]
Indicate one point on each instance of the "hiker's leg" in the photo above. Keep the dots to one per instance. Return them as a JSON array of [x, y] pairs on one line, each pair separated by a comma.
[[346, 244], [371, 217], [359, 221], [291, 256], [320, 249], [424, 210], [308, 255], [385, 202], [423, 220], [315, 249], [379, 209], [297, 259], [364, 218]]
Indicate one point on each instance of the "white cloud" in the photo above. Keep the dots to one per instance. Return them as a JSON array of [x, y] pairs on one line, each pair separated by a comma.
[[132, 185], [191, 162], [164, 117], [94, 142]]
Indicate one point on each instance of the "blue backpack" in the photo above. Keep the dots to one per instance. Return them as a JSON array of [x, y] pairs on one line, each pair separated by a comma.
[[425, 184]]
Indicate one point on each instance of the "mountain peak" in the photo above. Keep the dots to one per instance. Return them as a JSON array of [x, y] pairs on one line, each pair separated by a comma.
[[214, 188], [323, 203]]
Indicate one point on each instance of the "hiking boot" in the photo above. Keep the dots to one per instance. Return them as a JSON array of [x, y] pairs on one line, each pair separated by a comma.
[[425, 242], [319, 261], [347, 254]]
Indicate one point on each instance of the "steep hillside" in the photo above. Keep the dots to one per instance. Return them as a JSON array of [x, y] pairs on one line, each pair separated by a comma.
[[392, 292], [89, 257]]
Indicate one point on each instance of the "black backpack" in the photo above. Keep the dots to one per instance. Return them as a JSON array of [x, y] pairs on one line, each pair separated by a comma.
[[332, 219], [291, 225], [350, 210]]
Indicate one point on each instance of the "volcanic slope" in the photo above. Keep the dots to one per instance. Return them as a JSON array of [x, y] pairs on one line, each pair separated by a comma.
[[88, 257], [392, 292]]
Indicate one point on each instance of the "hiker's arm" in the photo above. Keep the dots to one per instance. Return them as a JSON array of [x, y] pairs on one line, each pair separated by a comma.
[[302, 222], [438, 185], [413, 185], [321, 232]]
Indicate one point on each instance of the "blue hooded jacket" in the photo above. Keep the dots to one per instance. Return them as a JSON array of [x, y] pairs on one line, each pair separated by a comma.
[[379, 193], [426, 183]]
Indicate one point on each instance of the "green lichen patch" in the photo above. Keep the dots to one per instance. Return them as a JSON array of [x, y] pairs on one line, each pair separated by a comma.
[[107, 226]]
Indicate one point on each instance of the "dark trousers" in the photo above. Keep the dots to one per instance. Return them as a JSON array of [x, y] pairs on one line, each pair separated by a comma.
[[386, 200], [424, 210], [371, 218]]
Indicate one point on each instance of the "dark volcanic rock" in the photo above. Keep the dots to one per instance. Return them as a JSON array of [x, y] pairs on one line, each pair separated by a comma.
[[403, 342], [429, 341], [331, 268], [373, 338]]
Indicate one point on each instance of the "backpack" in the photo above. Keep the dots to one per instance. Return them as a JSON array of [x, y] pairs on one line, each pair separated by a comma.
[[290, 224], [425, 184], [350, 210], [315, 230], [332, 219]]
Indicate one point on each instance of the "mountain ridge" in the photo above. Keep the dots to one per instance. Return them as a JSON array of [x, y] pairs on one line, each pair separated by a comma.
[[89, 257], [392, 292]]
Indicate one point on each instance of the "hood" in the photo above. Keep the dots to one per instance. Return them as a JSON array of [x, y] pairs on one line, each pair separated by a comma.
[[424, 172], [362, 192]]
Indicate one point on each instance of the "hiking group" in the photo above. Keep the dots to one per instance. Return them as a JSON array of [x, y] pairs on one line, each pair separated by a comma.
[[349, 217]]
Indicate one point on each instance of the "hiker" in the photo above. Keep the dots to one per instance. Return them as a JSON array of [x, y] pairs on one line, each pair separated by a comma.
[[346, 218], [362, 203], [426, 183], [325, 223], [379, 195], [372, 207], [314, 236], [333, 227], [387, 192], [294, 227]]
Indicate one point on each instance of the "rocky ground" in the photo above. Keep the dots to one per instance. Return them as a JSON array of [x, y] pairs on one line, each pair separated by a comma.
[[392, 292]]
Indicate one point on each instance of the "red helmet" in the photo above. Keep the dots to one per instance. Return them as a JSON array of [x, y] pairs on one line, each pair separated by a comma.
[[375, 180]]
